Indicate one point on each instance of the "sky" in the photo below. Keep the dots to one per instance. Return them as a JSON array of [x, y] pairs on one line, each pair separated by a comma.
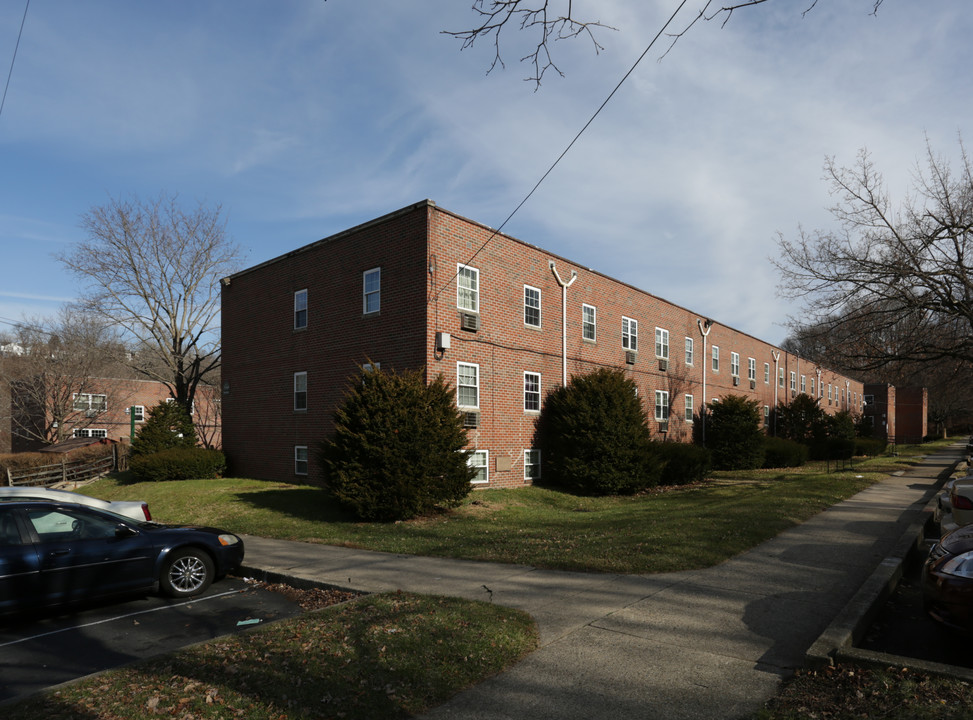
[[301, 119]]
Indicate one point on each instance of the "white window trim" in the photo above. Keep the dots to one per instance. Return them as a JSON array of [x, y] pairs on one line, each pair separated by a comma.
[[793, 381], [485, 466], [139, 412], [102, 407], [803, 383], [630, 338], [296, 391], [690, 407], [366, 293], [298, 293], [766, 373], [690, 351], [538, 376], [662, 343], [89, 433], [716, 358], [664, 415], [536, 464], [593, 323], [297, 460], [735, 364], [752, 369], [538, 308], [475, 293], [476, 386]]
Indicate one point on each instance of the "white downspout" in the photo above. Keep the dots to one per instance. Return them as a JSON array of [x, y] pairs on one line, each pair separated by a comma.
[[776, 354], [564, 319], [701, 324]]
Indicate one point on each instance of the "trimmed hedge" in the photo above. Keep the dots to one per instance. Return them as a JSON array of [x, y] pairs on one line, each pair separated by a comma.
[[782, 453], [178, 464], [684, 463], [869, 447]]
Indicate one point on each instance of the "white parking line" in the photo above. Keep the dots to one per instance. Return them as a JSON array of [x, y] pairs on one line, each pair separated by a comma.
[[121, 617]]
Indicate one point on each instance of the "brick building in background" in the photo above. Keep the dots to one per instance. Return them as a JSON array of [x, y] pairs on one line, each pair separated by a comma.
[[896, 414], [423, 287], [102, 410]]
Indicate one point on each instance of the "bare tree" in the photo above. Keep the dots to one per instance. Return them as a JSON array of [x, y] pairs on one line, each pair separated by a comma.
[[153, 268], [889, 285], [55, 380], [548, 22]]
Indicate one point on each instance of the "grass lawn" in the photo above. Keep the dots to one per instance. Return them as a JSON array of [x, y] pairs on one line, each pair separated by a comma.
[[393, 655], [383, 656], [675, 529]]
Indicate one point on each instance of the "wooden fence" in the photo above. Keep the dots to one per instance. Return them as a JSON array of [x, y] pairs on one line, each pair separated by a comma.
[[64, 472]]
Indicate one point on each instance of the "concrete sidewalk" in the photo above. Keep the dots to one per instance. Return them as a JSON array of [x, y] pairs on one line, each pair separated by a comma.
[[710, 643]]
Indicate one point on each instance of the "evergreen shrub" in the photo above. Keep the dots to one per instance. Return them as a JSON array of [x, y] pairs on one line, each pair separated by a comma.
[[178, 464], [783, 453], [733, 433], [168, 426], [684, 463]]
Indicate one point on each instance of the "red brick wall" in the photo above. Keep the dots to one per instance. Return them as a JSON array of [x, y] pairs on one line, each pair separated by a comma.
[[419, 249], [911, 412]]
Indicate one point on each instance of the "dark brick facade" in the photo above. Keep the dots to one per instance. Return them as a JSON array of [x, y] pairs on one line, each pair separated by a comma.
[[419, 250]]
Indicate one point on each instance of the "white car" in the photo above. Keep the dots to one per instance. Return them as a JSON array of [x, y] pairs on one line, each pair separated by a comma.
[[955, 504], [130, 509]]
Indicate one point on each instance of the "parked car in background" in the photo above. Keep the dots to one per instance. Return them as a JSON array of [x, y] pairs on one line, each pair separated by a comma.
[[137, 510], [947, 579], [54, 553]]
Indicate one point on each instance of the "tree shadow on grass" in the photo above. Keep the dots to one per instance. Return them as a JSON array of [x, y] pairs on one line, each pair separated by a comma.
[[313, 504]]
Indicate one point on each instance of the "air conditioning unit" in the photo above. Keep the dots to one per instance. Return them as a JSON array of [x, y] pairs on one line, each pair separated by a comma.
[[663, 365], [753, 384], [630, 356], [663, 426], [471, 420], [90, 413], [470, 323], [736, 380]]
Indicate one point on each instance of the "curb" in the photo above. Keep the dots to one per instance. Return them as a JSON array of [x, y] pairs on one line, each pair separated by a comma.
[[838, 641]]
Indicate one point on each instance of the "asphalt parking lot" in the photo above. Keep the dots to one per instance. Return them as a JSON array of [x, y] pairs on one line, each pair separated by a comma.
[[50, 648]]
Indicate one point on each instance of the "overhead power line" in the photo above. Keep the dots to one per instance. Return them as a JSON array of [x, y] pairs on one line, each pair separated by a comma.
[[10, 72]]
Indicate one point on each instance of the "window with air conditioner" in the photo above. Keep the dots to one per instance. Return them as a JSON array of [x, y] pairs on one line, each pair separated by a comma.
[[662, 343], [467, 288], [735, 364], [752, 369], [90, 403], [630, 334], [661, 405]]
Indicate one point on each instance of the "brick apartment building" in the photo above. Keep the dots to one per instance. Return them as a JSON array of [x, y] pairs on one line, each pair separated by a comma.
[[105, 409], [502, 320], [897, 414]]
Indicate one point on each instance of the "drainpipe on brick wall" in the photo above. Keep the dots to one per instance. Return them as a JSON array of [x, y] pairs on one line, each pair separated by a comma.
[[776, 354], [704, 328], [564, 320]]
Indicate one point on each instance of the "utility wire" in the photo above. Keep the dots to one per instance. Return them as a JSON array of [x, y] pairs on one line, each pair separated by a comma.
[[10, 72], [570, 145]]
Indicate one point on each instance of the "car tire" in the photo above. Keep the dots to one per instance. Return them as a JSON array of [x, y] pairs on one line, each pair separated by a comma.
[[186, 572]]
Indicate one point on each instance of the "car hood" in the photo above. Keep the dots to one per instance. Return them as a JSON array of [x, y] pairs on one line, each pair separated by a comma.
[[958, 541]]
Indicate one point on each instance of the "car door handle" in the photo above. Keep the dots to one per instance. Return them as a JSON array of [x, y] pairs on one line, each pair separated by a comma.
[[59, 553]]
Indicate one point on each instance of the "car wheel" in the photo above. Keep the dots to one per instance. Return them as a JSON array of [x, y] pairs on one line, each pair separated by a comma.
[[186, 572]]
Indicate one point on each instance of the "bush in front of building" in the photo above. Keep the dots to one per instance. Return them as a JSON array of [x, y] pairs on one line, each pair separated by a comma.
[[783, 453], [595, 438], [869, 447], [168, 426], [733, 433], [684, 463], [802, 420], [180, 463], [398, 449]]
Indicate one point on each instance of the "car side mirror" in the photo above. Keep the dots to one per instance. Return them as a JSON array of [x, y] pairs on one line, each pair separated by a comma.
[[124, 531]]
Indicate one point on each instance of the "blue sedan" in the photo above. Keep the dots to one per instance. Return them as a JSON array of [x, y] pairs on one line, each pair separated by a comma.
[[52, 553]]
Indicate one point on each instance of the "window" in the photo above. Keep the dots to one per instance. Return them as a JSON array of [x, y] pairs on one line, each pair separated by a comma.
[[65, 524], [87, 402], [480, 459], [689, 351], [300, 309], [532, 306], [766, 414], [139, 412], [690, 408], [735, 364], [630, 334], [812, 387], [661, 405], [467, 288], [752, 369], [662, 343], [532, 464], [300, 459], [372, 290], [767, 373], [793, 381], [468, 385], [89, 433], [716, 359], [780, 377], [532, 392], [803, 383], [371, 367], [300, 391], [829, 393], [588, 322]]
